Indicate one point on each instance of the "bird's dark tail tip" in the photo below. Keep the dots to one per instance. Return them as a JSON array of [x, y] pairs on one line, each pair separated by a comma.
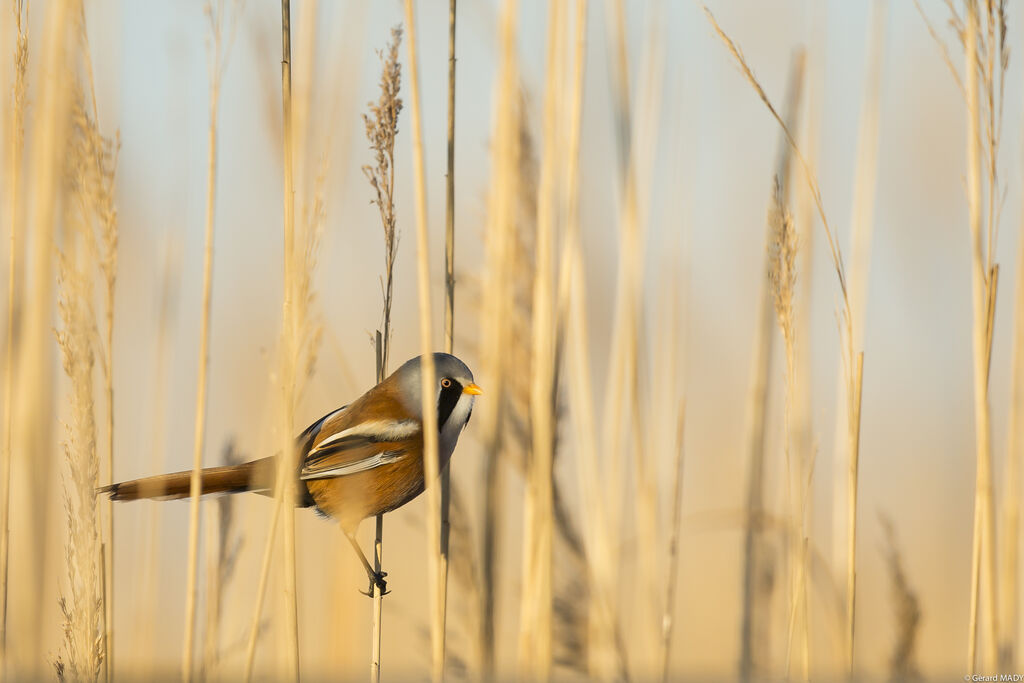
[[110, 490]]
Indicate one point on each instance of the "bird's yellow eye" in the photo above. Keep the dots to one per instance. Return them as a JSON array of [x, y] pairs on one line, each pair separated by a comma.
[[446, 383]]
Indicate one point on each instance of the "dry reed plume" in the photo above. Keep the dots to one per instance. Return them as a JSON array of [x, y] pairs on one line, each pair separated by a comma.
[[981, 32], [754, 627], [381, 129], [90, 252], [852, 360]]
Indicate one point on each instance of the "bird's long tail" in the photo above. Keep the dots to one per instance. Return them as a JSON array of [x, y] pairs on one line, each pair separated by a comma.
[[257, 475]]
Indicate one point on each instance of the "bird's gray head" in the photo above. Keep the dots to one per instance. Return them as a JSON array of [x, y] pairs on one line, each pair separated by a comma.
[[455, 391]]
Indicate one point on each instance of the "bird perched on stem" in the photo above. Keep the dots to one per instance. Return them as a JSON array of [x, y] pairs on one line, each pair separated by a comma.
[[362, 460]]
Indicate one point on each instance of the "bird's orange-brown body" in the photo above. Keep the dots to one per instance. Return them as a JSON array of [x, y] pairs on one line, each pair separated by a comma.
[[362, 460]]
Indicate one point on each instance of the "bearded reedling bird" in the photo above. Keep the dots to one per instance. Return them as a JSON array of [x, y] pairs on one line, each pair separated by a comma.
[[362, 460]]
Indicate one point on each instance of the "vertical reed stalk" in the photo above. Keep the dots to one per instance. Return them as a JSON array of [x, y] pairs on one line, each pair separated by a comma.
[[107, 215], [535, 618], [81, 601], [497, 305], [378, 599], [34, 410], [782, 252], [16, 147], [851, 361], [381, 130], [625, 416], [861, 233], [1009, 588], [287, 487], [378, 538], [428, 375], [216, 68], [149, 593], [261, 588], [752, 630], [854, 402], [673, 548], [449, 310], [983, 570]]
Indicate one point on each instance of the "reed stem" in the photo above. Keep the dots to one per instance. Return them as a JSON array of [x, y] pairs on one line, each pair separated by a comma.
[[449, 313], [288, 483], [195, 485], [14, 174], [427, 370]]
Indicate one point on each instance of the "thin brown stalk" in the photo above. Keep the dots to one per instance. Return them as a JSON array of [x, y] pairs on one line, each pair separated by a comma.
[[216, 68], [381, 130], [16, 143], [428, 375], [983, 571], [378, 538], [449, 314]]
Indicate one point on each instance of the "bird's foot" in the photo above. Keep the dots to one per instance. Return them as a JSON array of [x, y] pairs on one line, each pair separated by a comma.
[[377, 580]]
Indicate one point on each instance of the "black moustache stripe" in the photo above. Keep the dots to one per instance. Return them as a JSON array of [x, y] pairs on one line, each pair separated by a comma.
[[446, 402]]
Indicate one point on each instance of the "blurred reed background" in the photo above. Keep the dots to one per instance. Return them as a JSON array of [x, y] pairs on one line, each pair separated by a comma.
[[754, 375]]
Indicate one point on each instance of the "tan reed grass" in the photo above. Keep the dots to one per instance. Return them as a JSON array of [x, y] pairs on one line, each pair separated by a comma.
[[149, 595], [90, 252], [217, 13], [301, 333], [287, 477], [986, 57], [626, 425], [449, 315], [983, 574], [381, 130], [497, 310], [861, 233], [852, 361], [1010, 586], [81, 602], [33, 440], [107, 242], [782, 253], [428, 375], [754, 617], [673, 548], [15, 162], [535, 620]]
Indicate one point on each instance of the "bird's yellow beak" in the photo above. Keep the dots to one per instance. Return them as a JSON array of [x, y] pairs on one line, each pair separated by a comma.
[[472, 389]]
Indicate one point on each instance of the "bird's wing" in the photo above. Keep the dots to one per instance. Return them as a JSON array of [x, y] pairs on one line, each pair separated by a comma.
[[359, 448]]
